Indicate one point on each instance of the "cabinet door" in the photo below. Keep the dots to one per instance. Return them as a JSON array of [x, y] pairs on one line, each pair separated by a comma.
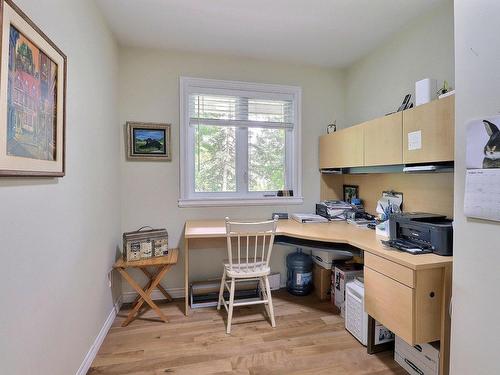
[[383, 140], [341, 149], [429, 132], [390, 303], [413, 313]]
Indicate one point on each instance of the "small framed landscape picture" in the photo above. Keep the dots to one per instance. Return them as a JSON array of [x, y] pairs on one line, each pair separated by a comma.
[[148, 141]]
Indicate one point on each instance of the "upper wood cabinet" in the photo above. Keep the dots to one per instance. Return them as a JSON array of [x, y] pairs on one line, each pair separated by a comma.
[[424, 134], [342, 149], [383, 140], [429, 132]]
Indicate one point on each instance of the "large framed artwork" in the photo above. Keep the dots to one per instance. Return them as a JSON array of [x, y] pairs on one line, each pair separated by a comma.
[[148, 141], [32, 98]]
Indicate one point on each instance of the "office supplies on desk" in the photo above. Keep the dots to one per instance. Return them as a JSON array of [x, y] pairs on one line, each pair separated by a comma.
[[361, 222], [420, 233], [309, 218], [333, 209], [389, 203]]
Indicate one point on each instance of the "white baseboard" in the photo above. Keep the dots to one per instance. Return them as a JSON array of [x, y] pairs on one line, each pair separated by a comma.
[[89, 358]]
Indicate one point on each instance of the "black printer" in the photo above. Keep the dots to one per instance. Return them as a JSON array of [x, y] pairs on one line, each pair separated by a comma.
[[420, 233]]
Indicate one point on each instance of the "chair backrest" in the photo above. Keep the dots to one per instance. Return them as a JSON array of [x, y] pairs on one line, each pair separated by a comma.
[[254, 242]]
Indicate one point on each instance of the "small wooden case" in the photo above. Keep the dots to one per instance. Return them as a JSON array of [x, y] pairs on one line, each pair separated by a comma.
[[145, 243]]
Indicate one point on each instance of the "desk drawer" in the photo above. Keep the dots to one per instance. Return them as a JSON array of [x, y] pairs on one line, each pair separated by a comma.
[[411, 313], [389, 302], [393, 270]]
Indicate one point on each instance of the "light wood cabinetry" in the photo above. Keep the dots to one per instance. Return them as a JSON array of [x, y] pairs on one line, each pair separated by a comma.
[[395, 271], [342, 149], [389, 302], [383, 140], [406, 301], [436, 123]]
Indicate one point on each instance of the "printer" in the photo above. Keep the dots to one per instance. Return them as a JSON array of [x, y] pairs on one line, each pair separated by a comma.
[[420, 233]]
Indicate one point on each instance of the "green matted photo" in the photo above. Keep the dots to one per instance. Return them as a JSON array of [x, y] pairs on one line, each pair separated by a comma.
[[148, 141]]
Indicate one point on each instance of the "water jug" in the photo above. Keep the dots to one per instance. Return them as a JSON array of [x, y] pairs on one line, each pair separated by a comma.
[[299, 273]]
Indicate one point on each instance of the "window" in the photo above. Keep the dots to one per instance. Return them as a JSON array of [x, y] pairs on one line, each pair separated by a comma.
[[240, 143]]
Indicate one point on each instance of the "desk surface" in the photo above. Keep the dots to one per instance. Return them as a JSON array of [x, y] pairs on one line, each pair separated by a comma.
[[335, 232]]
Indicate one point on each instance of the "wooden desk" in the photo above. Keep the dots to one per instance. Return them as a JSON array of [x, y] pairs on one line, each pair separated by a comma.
[[397, 271], [334, 232]]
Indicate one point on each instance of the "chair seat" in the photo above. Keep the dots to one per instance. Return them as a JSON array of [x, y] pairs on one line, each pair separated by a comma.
[[244, 270]]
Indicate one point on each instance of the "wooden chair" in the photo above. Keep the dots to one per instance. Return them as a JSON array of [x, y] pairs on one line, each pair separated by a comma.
[[254, 244]]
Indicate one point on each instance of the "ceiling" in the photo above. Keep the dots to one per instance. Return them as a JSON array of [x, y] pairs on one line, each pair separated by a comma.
[[332, 33]]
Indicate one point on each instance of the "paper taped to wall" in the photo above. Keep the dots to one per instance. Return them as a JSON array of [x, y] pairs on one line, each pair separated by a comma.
[[482, 194], [415, 140], [482, 180]]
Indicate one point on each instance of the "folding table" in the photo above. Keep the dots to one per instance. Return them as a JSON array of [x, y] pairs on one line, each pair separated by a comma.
[[161, 265]]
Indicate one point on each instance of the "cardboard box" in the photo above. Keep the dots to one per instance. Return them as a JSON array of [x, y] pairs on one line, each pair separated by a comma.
[[322, 281], [343, 274]]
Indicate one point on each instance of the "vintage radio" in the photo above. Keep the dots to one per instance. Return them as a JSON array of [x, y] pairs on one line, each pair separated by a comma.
[[145, 243]]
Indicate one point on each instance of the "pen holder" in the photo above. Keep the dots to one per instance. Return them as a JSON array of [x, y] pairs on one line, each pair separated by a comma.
[[382, 229]]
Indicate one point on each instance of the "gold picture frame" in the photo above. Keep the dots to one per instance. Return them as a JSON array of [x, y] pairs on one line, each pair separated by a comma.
[[148, 141], [32, 98]]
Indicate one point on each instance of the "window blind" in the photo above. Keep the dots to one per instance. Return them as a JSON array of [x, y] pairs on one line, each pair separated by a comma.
[[240, 111]]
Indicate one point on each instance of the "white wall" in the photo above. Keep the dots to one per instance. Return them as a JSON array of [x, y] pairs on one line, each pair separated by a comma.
[[476, 260], [377, 84], [58, 236], [149, 91]]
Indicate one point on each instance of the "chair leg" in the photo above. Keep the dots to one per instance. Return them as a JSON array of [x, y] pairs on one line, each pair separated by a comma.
[[263, 295], [221, 292], [230, 310], [270, 301]]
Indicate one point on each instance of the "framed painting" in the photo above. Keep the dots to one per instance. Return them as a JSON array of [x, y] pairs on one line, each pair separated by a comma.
[[350, 192], [148, 141], [32, 98]]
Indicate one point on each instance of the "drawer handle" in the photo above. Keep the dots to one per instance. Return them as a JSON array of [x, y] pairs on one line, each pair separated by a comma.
[[432, 294], [417, 370]]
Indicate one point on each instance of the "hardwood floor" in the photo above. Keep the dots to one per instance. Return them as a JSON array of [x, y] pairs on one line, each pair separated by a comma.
[[309, 339]]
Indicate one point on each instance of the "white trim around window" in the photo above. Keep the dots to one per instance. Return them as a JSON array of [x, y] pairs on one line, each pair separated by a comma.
[[291, 95]]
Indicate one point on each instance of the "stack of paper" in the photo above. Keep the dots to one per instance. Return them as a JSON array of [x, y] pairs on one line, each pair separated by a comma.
[[309, 218]]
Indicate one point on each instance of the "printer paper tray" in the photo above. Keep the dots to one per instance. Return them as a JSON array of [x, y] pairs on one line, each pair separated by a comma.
[[407, 246]]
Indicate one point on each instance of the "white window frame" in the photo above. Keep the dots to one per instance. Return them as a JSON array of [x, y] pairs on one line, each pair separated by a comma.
[[188, 198]]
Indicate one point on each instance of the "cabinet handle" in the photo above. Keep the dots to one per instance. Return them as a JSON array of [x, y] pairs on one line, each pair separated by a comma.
[[410, 363]]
